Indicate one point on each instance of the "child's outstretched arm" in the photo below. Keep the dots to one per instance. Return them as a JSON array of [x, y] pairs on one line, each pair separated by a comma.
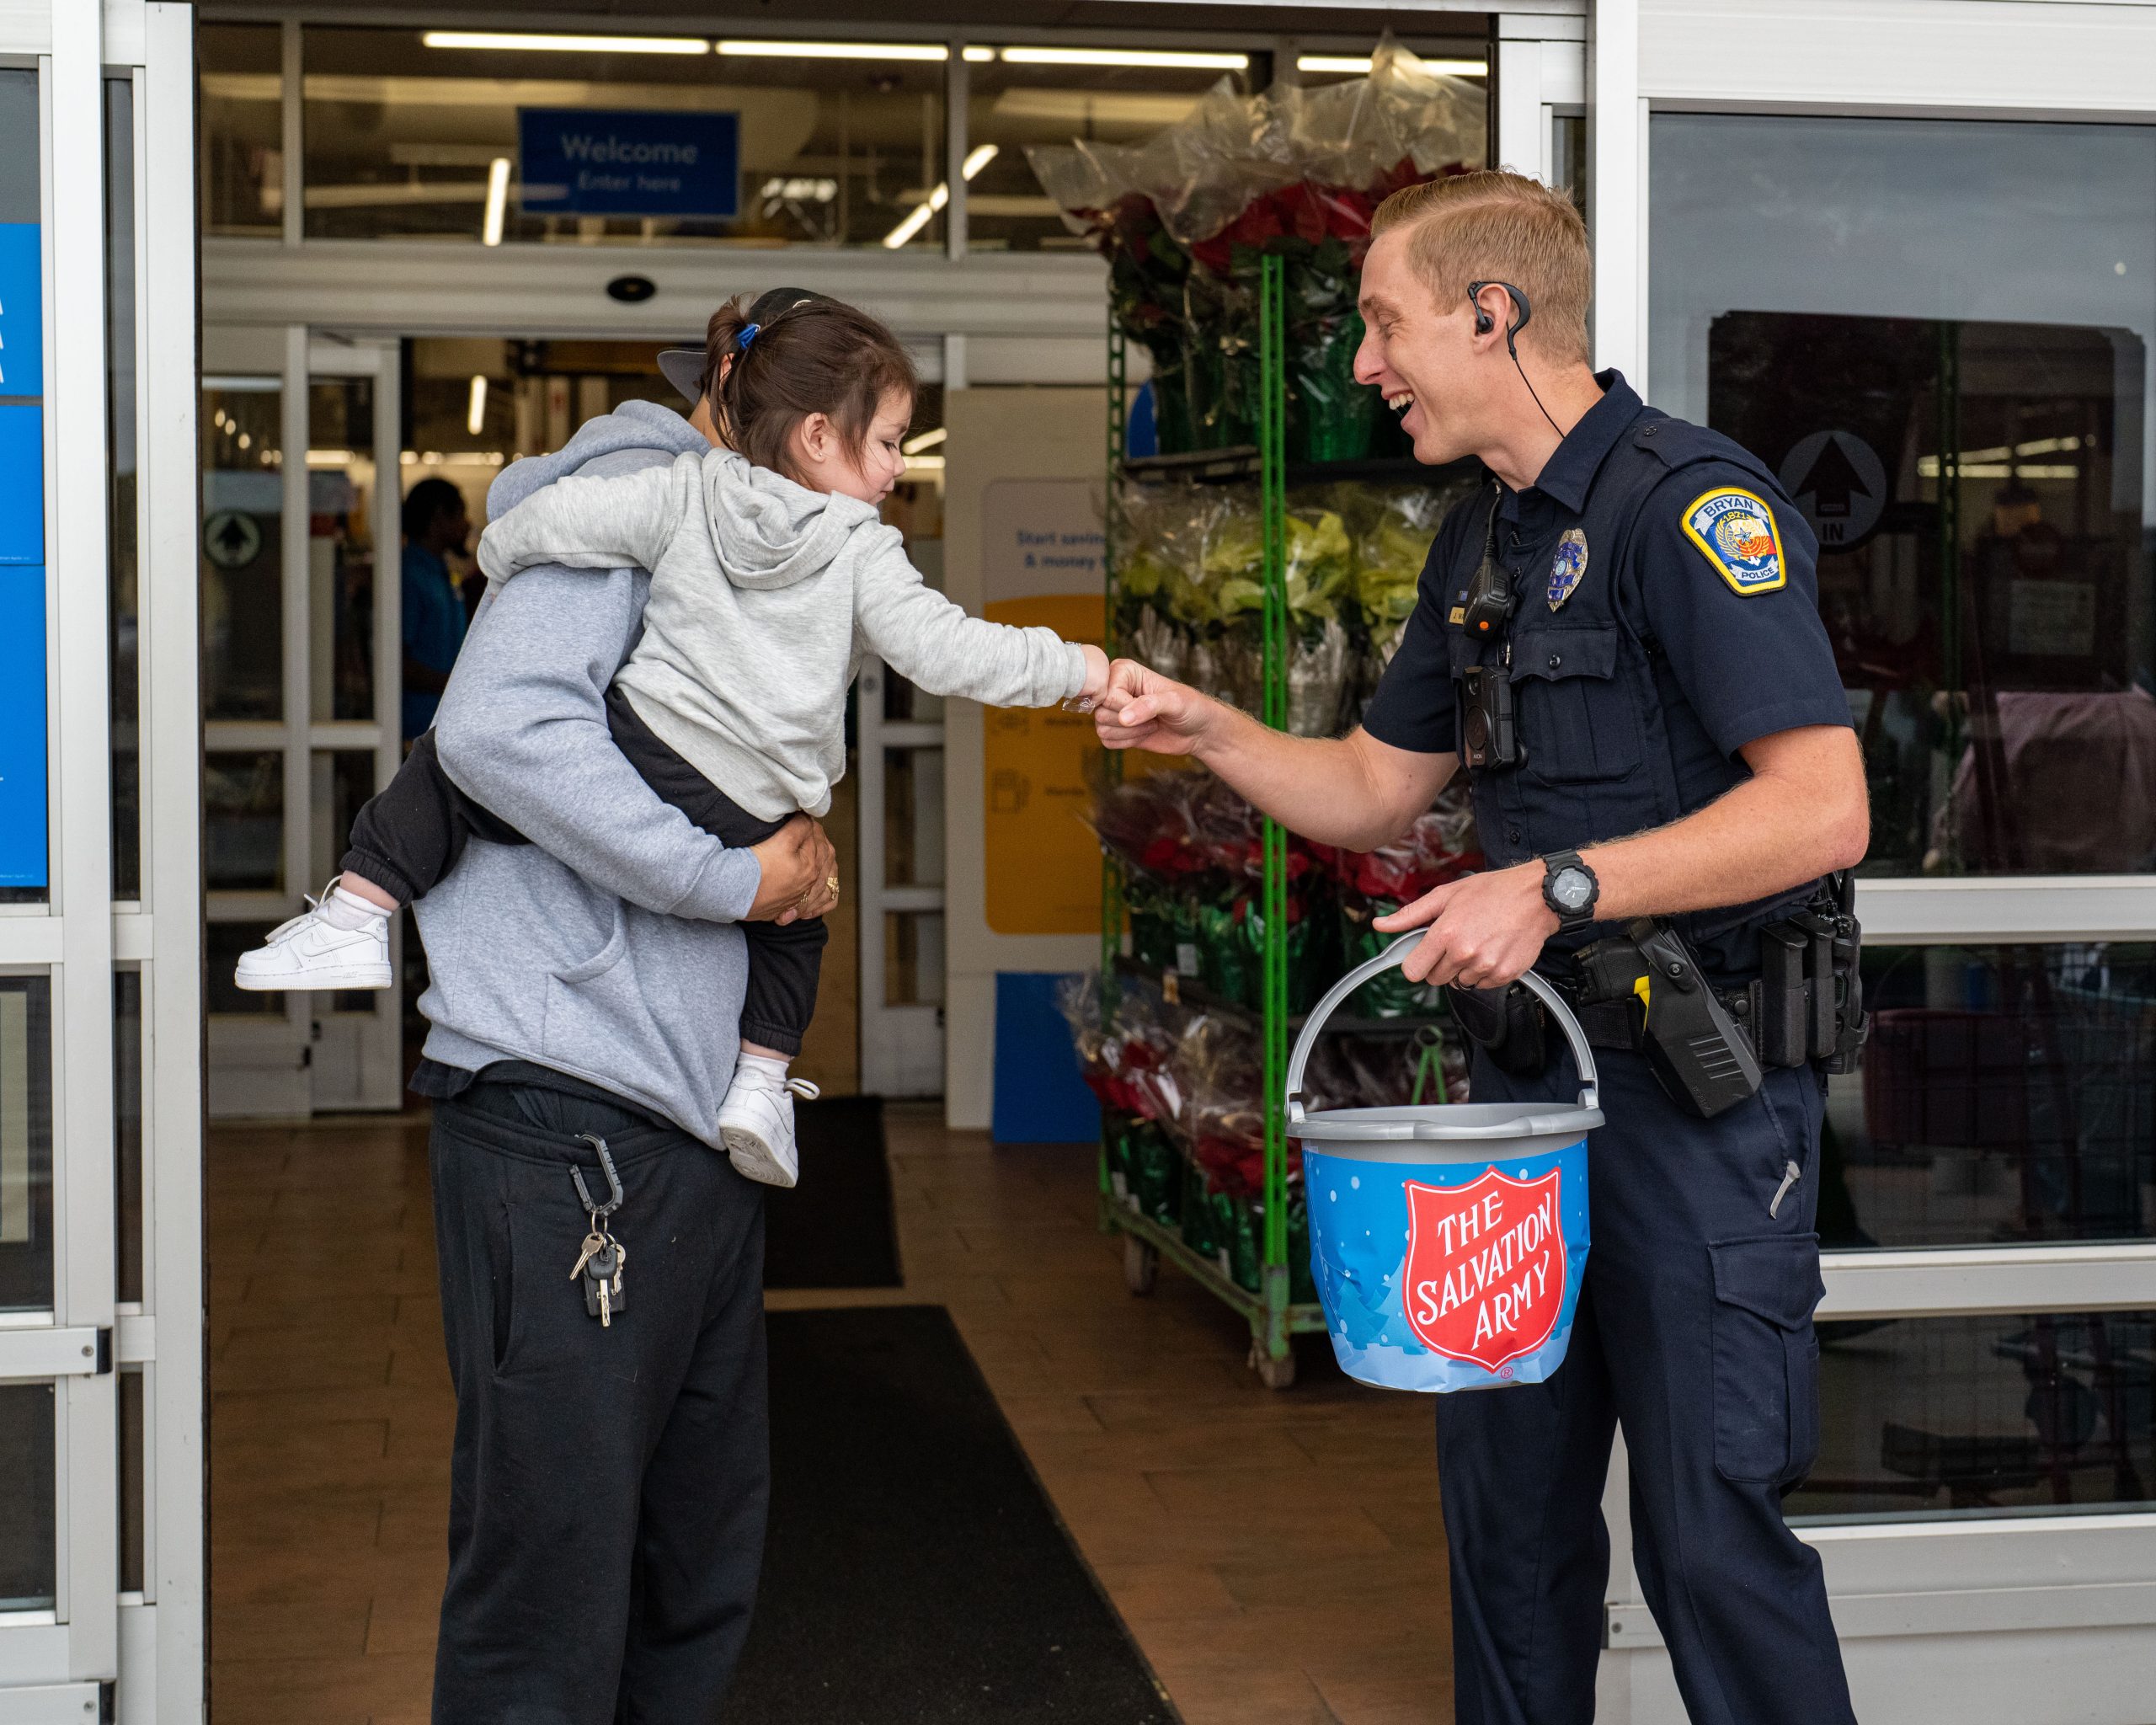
[[935, 645], [593, 523]]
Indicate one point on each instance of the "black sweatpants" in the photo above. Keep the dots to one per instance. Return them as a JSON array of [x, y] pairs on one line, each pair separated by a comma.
[[410, 835], [608, 1487]]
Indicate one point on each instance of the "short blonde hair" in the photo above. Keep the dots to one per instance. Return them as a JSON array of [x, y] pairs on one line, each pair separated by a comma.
[[1493, 225]]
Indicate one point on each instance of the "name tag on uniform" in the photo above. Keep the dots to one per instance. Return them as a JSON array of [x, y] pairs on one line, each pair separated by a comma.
[[1736, 531]]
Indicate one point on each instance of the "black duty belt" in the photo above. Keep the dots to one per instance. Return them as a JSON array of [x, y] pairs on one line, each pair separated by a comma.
[[1617, 1024]]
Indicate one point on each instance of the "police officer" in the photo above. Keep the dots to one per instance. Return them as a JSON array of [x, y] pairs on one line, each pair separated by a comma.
[[1620, 636]]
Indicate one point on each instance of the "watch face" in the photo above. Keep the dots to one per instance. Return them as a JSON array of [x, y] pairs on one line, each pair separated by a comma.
[[1571, 889]]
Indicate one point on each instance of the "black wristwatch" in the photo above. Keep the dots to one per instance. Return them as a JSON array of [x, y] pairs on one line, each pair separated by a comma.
[[1570, 888]]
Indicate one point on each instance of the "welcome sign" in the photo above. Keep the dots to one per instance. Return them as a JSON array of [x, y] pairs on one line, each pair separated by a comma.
[[629, 161]]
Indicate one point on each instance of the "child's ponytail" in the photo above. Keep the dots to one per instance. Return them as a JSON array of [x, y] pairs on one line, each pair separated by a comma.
[[804, 354]]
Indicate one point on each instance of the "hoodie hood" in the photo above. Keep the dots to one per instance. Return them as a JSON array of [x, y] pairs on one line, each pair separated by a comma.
[[633, 426], [766, 530]]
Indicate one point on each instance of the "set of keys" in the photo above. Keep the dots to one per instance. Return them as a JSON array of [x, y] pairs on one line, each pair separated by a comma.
[[602, 1257]]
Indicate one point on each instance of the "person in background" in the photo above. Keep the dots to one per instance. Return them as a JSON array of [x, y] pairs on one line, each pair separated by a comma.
[[435, 524]]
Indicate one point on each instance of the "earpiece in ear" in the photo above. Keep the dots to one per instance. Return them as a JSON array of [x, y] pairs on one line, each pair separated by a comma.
[[1483, 325]]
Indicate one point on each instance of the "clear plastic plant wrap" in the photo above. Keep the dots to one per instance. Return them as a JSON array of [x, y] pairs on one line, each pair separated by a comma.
[[1439, 847]]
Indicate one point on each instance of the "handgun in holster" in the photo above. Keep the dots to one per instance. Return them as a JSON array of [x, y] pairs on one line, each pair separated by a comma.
[[1699, 1053]]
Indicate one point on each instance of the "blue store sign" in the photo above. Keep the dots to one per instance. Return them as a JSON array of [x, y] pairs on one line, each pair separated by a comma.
[[22, 559], [629, 161]]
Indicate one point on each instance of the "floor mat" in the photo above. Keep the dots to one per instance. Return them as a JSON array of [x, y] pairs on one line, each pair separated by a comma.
[[915, 1573], [835, 1229]]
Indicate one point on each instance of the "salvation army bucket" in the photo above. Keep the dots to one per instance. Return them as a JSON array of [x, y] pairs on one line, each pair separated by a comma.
[[1448, 1241]]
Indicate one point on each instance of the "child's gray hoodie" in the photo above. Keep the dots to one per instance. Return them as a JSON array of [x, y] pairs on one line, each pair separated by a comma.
[[764, 596], [606, 947]]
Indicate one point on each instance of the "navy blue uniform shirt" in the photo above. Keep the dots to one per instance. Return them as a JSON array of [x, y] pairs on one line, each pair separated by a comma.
[[1666, 614]]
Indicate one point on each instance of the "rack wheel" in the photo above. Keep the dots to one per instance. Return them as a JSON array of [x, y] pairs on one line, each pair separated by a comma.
[[1141, 1265], [1273, 1374]]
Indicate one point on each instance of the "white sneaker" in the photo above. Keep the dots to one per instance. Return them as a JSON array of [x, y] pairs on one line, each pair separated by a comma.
[[312, 952], [756, 1122]]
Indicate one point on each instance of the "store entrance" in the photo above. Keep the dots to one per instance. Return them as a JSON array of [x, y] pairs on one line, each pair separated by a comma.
[[305, 656]]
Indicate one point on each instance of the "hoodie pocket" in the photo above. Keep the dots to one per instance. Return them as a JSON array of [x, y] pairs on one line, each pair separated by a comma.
[[580, 999]]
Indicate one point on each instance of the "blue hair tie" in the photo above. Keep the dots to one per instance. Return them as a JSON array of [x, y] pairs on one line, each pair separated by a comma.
[[748, 334]]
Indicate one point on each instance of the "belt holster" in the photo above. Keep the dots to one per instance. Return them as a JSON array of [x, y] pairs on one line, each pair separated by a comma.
[[1700, 1055], [1506, 1023]]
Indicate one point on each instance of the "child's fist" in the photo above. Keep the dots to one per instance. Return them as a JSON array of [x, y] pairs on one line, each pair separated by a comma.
[[1096, 678]]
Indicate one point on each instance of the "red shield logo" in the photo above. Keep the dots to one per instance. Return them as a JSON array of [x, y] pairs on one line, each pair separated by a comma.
[[1485, 1275]]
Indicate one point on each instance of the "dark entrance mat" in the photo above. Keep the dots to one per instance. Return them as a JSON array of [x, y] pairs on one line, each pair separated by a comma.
[[915, 1573], [834, 1230]]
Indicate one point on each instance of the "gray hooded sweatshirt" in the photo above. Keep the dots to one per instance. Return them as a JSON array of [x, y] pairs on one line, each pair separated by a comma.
[[606, 948], [763, 597]]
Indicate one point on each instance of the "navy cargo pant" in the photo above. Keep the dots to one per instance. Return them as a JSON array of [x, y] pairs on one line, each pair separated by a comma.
[[608, 1485], [1694, 1333]]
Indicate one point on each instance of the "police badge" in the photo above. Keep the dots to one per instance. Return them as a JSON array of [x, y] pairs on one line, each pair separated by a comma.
[[1568, 567]]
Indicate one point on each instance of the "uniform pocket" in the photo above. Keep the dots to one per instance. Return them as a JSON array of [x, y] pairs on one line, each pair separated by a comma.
[[1576, 716], [1766, 1357]]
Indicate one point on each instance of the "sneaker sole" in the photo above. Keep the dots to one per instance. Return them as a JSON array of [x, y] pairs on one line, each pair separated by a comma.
[[302, 982], [752, 1161]]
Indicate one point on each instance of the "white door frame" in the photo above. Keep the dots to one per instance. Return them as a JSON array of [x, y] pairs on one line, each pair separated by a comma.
[[63, 1664]]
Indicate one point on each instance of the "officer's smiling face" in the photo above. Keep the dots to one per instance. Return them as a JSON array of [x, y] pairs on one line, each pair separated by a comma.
[[1417, 353]]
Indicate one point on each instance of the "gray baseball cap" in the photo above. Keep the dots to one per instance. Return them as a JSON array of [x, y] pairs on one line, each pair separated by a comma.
[[684, 366]]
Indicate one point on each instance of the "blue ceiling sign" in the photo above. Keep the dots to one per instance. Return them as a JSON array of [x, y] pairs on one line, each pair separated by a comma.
[[629, 161]]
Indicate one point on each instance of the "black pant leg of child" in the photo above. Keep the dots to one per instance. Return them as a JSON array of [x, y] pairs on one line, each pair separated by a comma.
[[785, 963], [411, 832]]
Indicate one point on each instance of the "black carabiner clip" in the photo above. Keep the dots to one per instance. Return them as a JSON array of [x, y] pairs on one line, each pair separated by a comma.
[[598, 1212]]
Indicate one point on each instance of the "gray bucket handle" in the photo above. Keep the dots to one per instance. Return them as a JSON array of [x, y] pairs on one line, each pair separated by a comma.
[[1582, 1057]]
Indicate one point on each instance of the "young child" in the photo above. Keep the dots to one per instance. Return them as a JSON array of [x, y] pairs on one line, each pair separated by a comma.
[[772, 574]]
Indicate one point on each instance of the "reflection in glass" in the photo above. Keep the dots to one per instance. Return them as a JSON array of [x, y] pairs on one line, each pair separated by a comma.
[[242, 549], [913, 958], [341, 486], [25, 1147], [29, 1499], [1980, 570], [1931, 1417], [127, 1131], [122, 549], [402, 141], [2008, 1096], [244, 821], [243, 128], [1936, 337]]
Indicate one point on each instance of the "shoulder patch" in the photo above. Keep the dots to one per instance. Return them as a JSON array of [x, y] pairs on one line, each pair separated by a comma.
[[1736, 531]]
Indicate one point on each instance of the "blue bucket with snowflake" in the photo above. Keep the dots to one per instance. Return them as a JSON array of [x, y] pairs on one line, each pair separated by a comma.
[[1448, 1241]]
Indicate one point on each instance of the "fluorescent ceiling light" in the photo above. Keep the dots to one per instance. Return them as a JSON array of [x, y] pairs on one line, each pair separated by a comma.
[[747, 47], [925, 463], [927, 439], [977, 158], [475, 416], [976, 56], [1358, 65], [490, 227], [1126, 56], [565, 44]]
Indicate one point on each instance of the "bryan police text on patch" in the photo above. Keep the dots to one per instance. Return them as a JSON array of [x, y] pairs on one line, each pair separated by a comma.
[[1737, 532]]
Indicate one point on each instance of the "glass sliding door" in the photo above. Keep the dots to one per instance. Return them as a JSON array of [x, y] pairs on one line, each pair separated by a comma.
[[300, 659], [1937, 333], [100, 909]]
